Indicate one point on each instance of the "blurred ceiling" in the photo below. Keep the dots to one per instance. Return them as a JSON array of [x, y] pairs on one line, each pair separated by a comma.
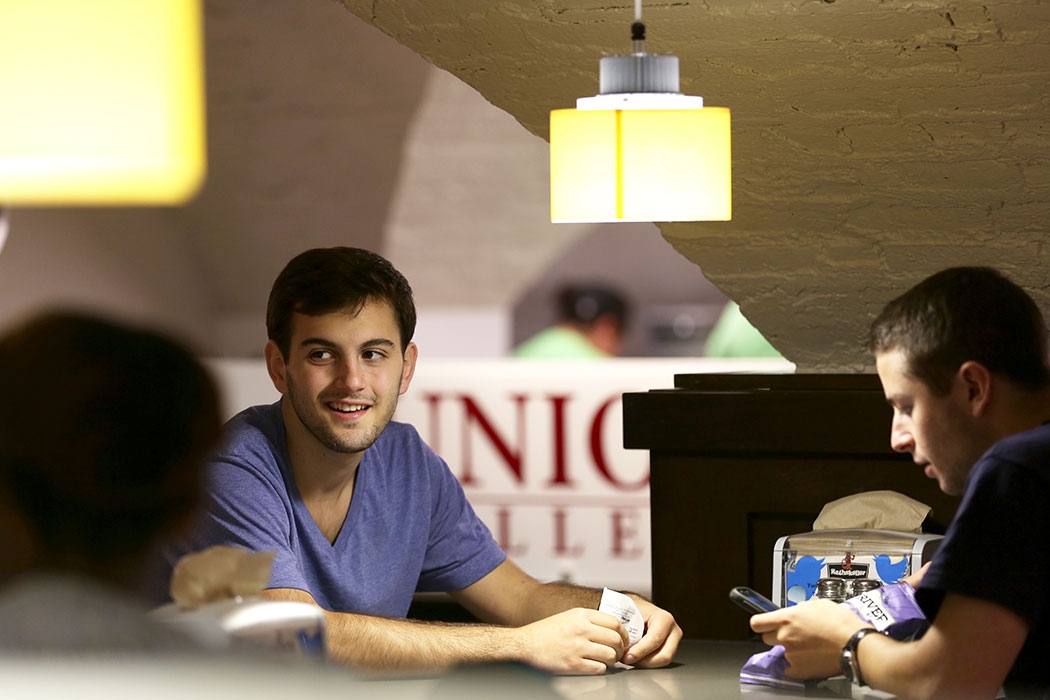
[[873, 142], [306, 121], [324, 131]]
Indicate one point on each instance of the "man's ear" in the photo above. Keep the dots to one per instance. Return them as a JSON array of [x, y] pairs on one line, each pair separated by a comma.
[[275, 367], [977, 381], [409, 367]]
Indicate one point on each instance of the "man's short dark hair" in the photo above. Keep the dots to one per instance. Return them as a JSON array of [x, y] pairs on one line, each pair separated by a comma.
[[325, 280], [104, 429], [965, 314]]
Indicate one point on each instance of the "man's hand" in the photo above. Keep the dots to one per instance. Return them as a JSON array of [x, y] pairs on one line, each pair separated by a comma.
[[812, 634], [509, 596], [577, 641], [658, 645], [915, 579]]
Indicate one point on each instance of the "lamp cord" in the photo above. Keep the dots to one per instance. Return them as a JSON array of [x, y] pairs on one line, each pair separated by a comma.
[[638, 29]]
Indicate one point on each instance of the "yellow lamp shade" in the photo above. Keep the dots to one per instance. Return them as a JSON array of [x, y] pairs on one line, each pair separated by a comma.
[[640, 165], [101, 102]]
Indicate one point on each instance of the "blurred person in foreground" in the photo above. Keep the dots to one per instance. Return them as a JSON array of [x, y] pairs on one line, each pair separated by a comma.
[[103, 432], [361, 513], [592, 323], [962, 358]]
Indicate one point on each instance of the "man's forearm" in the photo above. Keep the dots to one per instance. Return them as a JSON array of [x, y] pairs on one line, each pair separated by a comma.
[[577, 641], [551, 598], [368, 641], [509, 596], [364, 641], [910, 670]]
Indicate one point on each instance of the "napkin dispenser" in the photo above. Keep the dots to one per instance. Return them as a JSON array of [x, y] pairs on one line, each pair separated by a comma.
[[880, 556]]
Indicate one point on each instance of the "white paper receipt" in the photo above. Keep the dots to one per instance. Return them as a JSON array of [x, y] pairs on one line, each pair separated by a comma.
[[622, 607]]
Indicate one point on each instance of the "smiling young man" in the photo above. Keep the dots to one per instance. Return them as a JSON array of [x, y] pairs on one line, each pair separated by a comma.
[[962, 358], [362, 514]]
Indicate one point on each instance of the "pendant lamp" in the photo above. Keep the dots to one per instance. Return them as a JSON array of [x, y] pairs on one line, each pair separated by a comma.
[[101, 102], [640, 150]]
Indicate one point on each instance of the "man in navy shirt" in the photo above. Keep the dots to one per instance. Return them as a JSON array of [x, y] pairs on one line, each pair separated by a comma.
[[962, 358], [361, 513]]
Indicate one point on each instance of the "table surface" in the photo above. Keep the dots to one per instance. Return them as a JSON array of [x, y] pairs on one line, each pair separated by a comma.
[[703, 669]]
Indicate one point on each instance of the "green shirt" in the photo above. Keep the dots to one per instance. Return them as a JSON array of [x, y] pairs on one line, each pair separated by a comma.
[[558, 343], [734, 336]]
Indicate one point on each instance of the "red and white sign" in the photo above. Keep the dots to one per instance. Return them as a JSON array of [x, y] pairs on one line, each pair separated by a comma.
[[538, 447]]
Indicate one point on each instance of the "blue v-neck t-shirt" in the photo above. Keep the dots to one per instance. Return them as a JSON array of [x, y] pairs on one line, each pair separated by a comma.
[[409, 527]]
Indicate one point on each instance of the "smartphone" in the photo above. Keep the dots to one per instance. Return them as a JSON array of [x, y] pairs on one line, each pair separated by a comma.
[[751, 600]]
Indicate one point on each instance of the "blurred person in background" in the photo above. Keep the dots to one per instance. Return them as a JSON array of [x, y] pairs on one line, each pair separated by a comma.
[[734, 336], [592, 323]]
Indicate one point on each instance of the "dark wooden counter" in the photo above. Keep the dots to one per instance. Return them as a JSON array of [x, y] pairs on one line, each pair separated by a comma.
[[737, 461]]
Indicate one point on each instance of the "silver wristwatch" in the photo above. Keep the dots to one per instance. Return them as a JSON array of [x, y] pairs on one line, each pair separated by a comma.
[[848, 658]]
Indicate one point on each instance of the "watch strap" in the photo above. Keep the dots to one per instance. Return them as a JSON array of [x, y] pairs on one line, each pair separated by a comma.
[[848, 659]]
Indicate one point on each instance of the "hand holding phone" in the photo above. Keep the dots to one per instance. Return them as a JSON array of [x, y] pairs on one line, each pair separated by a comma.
[[751, 600]]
